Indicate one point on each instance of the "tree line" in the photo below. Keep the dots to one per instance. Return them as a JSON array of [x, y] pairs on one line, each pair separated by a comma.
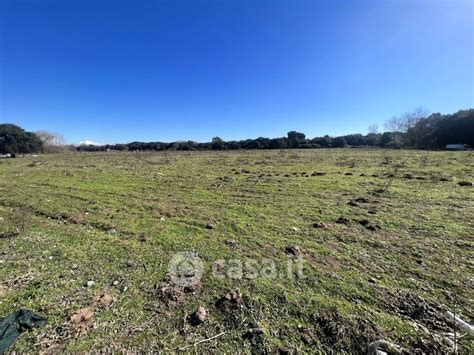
[[414, 129]]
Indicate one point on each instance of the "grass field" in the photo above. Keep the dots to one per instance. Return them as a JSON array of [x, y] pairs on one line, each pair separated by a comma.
[[385, 238]]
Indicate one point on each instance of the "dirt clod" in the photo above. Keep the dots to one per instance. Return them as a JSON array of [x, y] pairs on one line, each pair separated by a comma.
[[464, 183], [292, 250], [308, 337], [321, 225], [170, 294], [104, 299], [342, 220], [82, 319], [209, 226], [199, 316], [231, 300]]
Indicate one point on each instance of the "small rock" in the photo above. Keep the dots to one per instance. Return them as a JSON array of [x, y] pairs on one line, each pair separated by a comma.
[[115, 283], [112, 231], [89, 284], [353, 203], [74, 267], [209, 226], [130, 263], [294, 229], [230, 242]]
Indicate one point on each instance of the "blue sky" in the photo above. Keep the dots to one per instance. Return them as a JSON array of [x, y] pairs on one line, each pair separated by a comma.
[[119, 71]]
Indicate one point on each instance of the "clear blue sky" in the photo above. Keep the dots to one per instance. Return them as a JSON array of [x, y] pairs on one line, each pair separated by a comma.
[[118, 71]]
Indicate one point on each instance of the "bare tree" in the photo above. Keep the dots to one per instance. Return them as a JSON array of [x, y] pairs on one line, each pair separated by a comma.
[[51, 138], [393, 124], [410, 119], [406, 121], [373, 129]]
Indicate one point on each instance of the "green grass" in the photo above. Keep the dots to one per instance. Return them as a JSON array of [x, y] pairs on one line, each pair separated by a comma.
[[360, 285]]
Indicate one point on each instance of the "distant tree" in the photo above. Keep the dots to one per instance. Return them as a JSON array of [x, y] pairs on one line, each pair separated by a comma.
[[410, 121], [52, 142], [295, 139], [356, 140], [51, 138], [14, 139], [278, 143], [339, 142], [387, 138], [394, 124], [373, 139], [373, 129], [217, 144], [232, 145], [323, 142]]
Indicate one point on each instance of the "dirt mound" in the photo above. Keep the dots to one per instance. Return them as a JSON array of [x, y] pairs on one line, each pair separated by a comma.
[[408, 304], [170, 294], [82, 319], [343, 334], [465, 183]]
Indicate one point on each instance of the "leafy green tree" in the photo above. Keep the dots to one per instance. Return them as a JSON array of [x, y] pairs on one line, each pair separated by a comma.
[[14, 139], [217, 144], [295, 139]]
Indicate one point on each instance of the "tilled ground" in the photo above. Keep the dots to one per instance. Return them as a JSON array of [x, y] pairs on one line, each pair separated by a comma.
[[301, 251]]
